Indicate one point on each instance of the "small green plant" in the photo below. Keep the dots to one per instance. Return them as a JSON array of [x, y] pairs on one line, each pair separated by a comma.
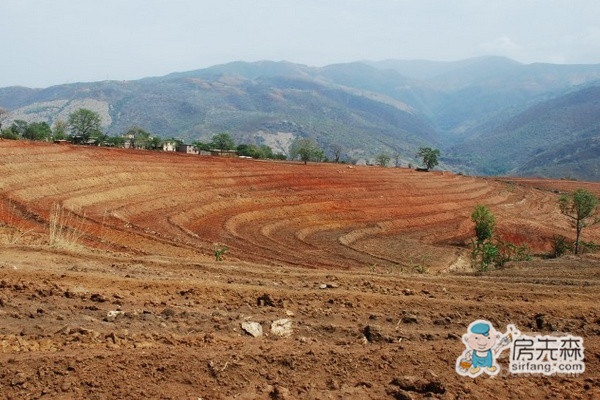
[[560, 246], [484, 255], [489, 251], [420, 269], [589, 247], [219, 251]]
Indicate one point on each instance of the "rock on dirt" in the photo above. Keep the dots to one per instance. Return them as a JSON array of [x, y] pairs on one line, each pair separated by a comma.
[[253, 329], [410, 319], [114, 314], [282, 327], [374, 333], [97, 297], [265, 301], [430, 383]]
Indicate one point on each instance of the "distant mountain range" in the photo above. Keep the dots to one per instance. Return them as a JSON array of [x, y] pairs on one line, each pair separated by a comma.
[[488, 115]]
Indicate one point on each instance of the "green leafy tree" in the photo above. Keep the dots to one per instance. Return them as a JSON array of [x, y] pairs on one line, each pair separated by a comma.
[[429, 156], [306, 149], [382, 160], [37, 131], [580, 207], [9, 134], [155, 143], [485, 252], [200, 146], [84, 124], [19, 127], [485, 223], [138, 137], [222, 141], [254, 151], [60, 130], [115, 141]]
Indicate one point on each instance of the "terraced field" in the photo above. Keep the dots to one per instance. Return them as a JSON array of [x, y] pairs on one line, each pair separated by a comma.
[[321, 216], [109, 288]]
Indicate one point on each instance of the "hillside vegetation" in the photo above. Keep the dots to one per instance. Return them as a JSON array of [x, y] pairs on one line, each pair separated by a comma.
[[489, 115]]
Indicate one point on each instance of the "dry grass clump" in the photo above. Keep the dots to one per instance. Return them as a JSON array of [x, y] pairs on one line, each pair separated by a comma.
[[65, 228], [12, 230]]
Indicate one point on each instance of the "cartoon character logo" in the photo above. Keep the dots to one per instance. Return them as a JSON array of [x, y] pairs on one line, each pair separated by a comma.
[[483, 345]]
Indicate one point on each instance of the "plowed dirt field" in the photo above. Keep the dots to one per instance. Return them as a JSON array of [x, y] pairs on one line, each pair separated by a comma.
[[109, 287]]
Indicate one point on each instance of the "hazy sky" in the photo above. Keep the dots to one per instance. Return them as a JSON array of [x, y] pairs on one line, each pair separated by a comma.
[[49, 42]]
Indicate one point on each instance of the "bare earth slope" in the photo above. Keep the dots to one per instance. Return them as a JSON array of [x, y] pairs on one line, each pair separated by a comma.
[[334, 249], [320, 215]]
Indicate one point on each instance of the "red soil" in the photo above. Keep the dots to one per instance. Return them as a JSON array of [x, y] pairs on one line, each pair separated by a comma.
[[143, 226], [319, 215]]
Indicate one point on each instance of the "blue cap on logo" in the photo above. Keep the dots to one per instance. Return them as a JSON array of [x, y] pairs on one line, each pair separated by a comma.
[[481, 329]]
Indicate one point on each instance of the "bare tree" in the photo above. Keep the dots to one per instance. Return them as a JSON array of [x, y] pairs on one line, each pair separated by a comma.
[[336, 150]]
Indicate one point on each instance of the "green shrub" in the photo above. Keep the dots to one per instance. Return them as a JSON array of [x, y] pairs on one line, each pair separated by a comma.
[[589, 247], [560, 246], [485, 223], [219, 251]]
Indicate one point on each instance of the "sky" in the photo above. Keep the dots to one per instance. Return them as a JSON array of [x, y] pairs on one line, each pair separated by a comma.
[[51, 42]]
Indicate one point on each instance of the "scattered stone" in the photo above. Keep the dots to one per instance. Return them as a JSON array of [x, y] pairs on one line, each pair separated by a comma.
[[539, 320], [373, 333], [453, 336], [408, 292], [429, 384], [332, 285], [112, 337], [253, 329], [399, 394], [282, 327], [265, 301], [112, 315], [168, 312], [289, 313], [410, 319], [98, 298], [280, 393], [323, 286]]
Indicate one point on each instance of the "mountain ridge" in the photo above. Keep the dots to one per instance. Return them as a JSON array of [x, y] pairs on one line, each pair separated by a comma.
[[465, 107]]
